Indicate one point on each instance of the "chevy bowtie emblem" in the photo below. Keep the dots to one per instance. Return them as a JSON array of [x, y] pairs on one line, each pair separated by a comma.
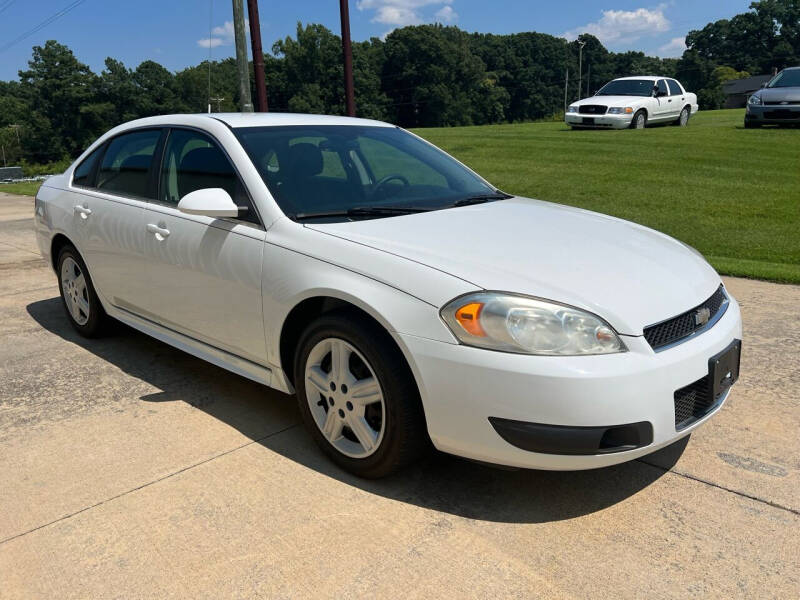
[[702, 316]]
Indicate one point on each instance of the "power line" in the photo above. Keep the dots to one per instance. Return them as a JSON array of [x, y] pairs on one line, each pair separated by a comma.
[[41, 25], [5, 5]]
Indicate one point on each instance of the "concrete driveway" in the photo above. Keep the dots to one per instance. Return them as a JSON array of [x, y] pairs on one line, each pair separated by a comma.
[[130, 469]]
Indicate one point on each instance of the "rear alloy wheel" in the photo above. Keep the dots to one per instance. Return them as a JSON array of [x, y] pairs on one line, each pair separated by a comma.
[[639, 120], [683, 119], [357, 396], [83, 307]]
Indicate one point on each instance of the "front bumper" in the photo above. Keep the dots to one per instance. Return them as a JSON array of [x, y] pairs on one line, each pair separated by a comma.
[[463, 388], [600, 121], [773, 114]]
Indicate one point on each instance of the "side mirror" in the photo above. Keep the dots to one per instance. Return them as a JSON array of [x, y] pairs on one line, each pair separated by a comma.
[[210, 202]]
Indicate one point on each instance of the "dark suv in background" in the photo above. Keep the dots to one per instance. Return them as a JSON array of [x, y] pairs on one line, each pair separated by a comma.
[[777, 103]]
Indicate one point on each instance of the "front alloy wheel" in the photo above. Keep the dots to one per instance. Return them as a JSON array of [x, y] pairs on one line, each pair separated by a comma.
[[357, 395], [345, 398], [639, 120]]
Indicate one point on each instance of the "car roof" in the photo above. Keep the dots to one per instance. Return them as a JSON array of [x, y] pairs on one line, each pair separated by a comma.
[[650, 77], [236, 120]]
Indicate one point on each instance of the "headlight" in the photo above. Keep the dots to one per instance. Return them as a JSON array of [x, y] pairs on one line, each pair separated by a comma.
[[755, 100], [618, 110], [524, 325], [572, 109]]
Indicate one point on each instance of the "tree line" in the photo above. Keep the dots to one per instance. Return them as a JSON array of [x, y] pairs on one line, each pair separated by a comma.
[[419, 76]]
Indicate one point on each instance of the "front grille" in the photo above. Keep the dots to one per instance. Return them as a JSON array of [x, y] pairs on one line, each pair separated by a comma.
[[782, 114], [675, 329], [592, 109], [693, 402]]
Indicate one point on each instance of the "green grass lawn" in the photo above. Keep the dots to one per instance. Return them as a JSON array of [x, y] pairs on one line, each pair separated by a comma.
[[26, 188], [733, 194]]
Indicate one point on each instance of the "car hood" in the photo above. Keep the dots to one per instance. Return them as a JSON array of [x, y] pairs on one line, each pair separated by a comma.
[[788, 94], [630, 275], [611, 100]]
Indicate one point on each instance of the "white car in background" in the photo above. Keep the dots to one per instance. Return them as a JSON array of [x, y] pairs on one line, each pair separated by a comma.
[[634, 102], [402, 297]]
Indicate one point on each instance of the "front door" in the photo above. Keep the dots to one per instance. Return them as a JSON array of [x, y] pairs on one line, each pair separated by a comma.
[[204, 273], [662, 104]]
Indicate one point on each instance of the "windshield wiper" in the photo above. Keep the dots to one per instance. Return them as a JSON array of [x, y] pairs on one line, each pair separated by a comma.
[[481, 199], [360, 211]]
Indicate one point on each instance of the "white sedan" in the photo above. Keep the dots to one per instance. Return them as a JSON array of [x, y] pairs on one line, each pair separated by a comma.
[[403, 298], [634, 102]]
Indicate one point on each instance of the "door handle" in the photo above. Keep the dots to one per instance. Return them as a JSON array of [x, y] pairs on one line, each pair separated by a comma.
[[160, 232], [670, 100], [83, 211]]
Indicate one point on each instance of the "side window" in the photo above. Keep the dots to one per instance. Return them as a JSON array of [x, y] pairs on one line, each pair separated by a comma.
[[82, 173], [193, 161], [127, 163], [662, 88], [674, 88]]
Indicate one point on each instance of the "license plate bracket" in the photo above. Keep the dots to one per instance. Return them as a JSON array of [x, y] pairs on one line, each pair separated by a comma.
[[588, 120], [723, 369]]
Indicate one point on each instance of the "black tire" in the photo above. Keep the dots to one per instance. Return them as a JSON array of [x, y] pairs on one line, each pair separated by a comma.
[[405, 437], [683, 119], [97, 321], [635, 120]]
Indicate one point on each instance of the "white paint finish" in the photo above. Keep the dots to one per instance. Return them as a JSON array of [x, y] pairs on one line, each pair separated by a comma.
[[462, 387], [659, 110], [111, 241], [222, 290], [629, 275], [210, 202], [204, 280]]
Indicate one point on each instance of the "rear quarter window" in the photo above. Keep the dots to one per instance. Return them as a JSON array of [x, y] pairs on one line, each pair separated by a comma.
[[82, 176]]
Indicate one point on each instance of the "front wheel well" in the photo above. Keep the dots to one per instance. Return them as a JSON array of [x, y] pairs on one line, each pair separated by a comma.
[[307, 311]]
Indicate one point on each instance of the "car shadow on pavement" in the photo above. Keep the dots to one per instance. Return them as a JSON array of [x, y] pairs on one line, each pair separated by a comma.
[[439, 482]]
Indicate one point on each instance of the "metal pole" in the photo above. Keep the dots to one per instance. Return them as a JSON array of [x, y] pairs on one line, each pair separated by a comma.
[[566, 87], [241, 56], [588, 77], [580, 67], [349, 94], [258, 55]]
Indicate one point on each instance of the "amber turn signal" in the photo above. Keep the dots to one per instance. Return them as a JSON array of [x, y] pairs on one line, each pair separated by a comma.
[[468, 316]]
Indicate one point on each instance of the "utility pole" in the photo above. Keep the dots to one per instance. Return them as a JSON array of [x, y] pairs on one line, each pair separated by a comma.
[[580, 66], [241, 56], [349, 94], [566, 87], [258, 55], [588, 77]]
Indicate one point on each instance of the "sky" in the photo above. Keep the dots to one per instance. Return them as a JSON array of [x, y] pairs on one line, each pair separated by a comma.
[[181, 33]]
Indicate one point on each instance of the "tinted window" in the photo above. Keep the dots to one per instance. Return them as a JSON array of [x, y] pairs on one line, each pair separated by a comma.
[[126, 165], [335, 168], [662, 88], [84, 170], [674, 88], [788, 78], [193, 161]]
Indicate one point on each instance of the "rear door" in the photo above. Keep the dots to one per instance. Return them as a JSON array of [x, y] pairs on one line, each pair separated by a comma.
[[677, 98], [204, 273], [110, 203]]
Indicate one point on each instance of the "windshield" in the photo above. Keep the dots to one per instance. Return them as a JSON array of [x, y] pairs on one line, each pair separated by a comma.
[[786, 79], [369, 171], [627, 87]]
